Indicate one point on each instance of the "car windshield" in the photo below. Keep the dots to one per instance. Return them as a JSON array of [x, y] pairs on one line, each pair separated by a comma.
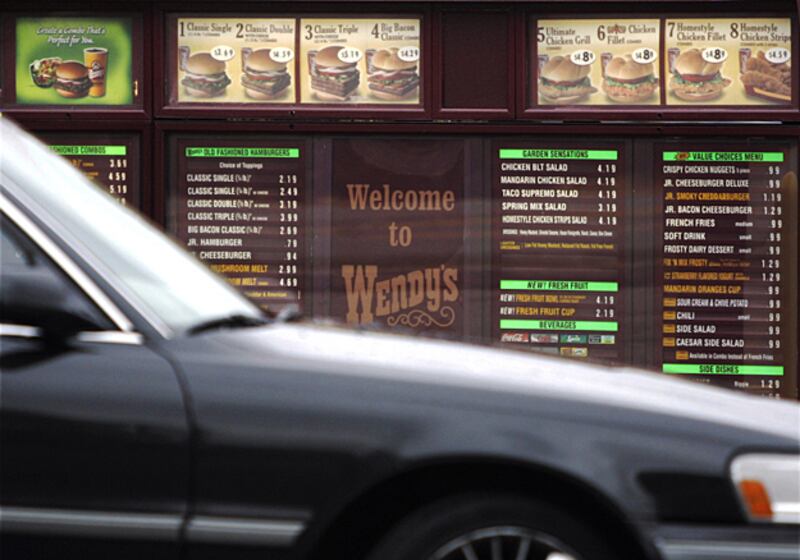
[[134, 255]]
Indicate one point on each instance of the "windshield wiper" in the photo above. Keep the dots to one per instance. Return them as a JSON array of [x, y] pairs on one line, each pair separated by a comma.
[[237, 321]]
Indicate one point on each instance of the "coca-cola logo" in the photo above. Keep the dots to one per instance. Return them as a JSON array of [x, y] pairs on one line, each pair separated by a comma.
[[515, 337]]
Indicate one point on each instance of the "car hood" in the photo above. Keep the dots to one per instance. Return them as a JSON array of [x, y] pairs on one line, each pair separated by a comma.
[[346, 352]]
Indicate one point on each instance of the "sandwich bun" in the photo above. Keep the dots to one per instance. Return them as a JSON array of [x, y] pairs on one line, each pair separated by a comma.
[[71, 70], [329, 56], [194, 92], [696, 96], [691, 62], [562, 69], [325, 96], [385, 95], [387, 59], [625, 68], [204, 64], [256, 94], [260, 61]]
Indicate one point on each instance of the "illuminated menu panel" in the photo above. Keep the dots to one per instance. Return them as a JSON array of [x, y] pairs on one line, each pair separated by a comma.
[[360, 61], [397, 247], [558, 248], [235, 60], [727, 270], [110, 160], [730, 61], [239, 206]]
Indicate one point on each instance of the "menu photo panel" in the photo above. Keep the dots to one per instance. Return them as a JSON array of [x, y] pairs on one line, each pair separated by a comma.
[[728, 61], [609, 62], [727, 265], [234, 60], [239, 205], [75, 61], [559, 249], [361, 61], [397, 234]]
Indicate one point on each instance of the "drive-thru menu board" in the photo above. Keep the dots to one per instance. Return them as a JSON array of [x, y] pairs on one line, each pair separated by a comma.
[[397, 243], [597, 62], [110, 160], [239, 206], [725, 272], [235, 60], [558, 248], [360, 61], [742, 61]]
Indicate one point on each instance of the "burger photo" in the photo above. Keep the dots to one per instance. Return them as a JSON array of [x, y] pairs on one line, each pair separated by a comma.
[[694, 79], [204, 76], [563, 81], [263, 78], [72, 79], [331, 78], [627, 81], [391, 78]]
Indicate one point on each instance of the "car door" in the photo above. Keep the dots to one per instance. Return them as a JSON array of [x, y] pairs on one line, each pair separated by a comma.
[[94, 459]]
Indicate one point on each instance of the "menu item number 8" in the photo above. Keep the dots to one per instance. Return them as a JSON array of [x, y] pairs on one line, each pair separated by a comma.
[[770, 79]]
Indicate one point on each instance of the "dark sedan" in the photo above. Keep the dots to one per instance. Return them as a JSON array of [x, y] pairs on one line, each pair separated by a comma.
[[148, 411]]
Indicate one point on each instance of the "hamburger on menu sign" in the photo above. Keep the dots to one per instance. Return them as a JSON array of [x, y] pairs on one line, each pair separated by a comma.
[[596, 62], [225, 60], [728, 61], [360, 61]]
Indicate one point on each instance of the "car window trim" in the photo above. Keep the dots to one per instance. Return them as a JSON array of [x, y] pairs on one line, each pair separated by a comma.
[[12, 330], [149, 317], [66, 265]]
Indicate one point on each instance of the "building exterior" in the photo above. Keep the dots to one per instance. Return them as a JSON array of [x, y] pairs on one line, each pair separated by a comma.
[[612, 182]]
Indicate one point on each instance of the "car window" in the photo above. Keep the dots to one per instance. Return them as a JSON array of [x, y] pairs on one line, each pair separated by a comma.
[[124, 244], [23, 266]]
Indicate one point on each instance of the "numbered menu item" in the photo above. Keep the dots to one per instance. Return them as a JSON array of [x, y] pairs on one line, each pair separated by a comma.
[[729, 61], [397, 252], [235, 60], [110, 160], [597, 62], [558, 248], [238, 206], [726, 264], [74, 61], [360, 61]]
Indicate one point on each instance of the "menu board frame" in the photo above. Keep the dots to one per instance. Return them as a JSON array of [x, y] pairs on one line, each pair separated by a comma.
[[442, 112], [630, 324], [791, 362], [529, 108], [141, 49], [166, 137], [130, 127], [165, 64], [472, 234]]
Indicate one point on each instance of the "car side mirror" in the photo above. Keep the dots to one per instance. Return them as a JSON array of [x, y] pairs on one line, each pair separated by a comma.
[[34, 296]]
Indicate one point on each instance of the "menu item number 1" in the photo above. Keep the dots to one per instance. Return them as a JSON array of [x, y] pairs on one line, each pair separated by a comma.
[[227, 60], [729, 61], [597, 62]]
